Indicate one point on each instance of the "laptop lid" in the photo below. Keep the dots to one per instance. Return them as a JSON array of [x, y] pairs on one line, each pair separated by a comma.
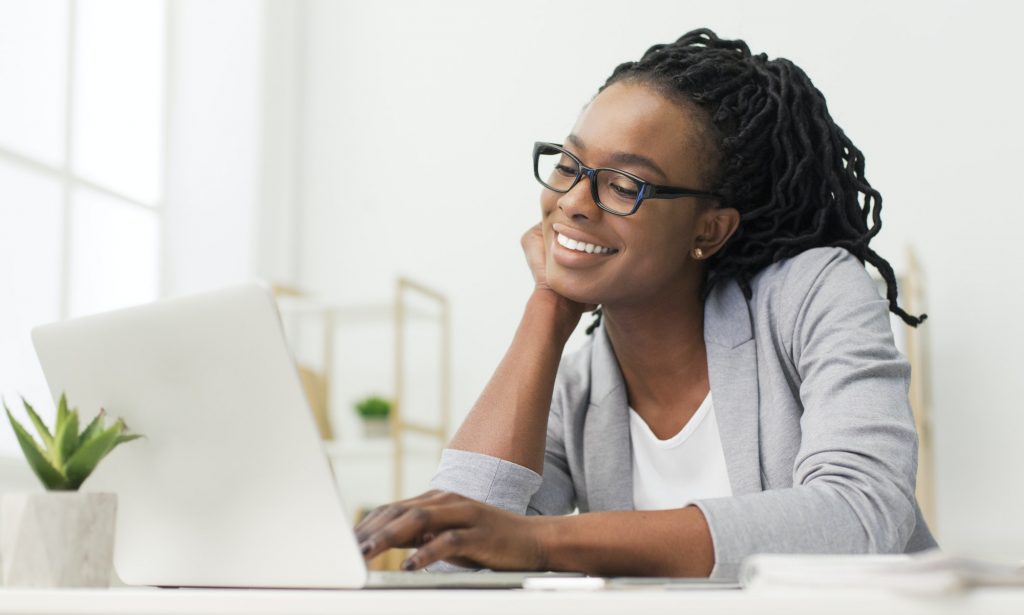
[[230, 486]]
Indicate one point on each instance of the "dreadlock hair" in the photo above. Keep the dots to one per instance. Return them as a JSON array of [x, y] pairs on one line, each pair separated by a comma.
[[781, 161]]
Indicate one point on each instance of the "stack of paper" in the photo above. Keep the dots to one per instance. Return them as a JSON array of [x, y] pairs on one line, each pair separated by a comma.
[[931, 572]]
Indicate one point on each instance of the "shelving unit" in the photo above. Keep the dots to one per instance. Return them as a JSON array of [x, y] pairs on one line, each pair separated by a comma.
[[295, 304], [912, 285], [913, 343]]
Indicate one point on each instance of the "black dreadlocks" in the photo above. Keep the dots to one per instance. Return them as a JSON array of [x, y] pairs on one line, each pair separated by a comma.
[[782, 162]]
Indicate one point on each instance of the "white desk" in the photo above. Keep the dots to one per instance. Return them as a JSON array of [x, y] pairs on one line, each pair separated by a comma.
[[512, 602]]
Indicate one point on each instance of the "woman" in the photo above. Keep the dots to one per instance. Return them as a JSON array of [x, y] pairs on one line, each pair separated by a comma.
[[740, 392]]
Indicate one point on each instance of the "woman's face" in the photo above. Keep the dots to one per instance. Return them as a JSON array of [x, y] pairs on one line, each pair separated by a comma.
[[650, 250]]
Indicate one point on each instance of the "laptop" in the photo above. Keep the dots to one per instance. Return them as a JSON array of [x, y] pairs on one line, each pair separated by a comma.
[[230, 486]]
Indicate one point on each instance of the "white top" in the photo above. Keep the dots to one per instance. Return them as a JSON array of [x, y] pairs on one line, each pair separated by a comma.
[[688, 466]]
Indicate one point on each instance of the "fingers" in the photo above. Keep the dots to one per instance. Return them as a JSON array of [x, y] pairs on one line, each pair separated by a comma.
[[533, 248], [530, 233], [405, 530], [447, 546], [380, 516], [460, 531], [532, 237], [417, 524]]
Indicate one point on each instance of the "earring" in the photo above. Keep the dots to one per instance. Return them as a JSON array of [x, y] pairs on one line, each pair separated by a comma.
[[698, 253]]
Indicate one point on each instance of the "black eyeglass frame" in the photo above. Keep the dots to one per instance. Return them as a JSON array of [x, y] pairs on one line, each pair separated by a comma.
[[647, 189]]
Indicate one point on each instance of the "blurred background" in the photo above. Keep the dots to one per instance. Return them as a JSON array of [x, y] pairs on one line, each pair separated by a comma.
[[151, 148]]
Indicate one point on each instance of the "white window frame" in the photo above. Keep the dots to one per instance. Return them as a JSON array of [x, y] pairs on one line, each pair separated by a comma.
[[65, 174], [69, 181]]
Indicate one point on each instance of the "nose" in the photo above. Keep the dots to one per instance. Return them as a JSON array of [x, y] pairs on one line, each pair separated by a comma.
[[578, 203]]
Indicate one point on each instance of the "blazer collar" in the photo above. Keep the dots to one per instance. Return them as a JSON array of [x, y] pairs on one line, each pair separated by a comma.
[[607, 450], [732, 370], [727, 319]]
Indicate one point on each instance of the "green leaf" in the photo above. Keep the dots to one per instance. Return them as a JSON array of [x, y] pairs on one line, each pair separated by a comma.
[[84, 460], [44, 433], [50, 476], [62, 412], [374, 407], [126, 438], [94, 428], [66, 439]]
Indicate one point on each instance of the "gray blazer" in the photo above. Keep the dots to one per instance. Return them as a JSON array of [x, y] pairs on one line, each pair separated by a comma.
[[810, 395]]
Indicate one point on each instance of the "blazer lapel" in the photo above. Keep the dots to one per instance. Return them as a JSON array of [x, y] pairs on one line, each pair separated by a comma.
[[607, 450], [732, 370]]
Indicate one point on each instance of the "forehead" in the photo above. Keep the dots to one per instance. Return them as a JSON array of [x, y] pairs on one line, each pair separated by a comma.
[[635, 118]]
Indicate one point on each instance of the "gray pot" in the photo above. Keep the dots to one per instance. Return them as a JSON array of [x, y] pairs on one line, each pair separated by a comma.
[[376, 427], [57, 538]]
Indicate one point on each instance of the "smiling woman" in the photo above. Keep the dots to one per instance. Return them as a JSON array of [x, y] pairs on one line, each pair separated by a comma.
[[740, 393]]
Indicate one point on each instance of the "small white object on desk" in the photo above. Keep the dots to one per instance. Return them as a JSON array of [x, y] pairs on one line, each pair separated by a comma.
[[565, 583]]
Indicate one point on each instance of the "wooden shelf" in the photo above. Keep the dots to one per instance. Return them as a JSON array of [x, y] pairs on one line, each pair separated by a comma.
[[345, 313], [374, 447], [398, 313]]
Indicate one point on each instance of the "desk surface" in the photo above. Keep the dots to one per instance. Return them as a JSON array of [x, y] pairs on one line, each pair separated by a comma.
[[512, 602]]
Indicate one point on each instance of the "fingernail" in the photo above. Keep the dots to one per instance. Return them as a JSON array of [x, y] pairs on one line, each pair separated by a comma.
[[366, 547], [408, 564]]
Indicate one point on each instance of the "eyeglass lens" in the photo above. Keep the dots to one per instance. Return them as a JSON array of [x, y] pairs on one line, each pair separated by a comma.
[[558, 172]]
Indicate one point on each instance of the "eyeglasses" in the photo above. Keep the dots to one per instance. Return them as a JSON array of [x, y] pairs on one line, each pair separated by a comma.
[[614, 190]]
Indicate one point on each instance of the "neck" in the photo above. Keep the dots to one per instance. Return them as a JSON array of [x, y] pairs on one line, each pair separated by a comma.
[[659, 345]]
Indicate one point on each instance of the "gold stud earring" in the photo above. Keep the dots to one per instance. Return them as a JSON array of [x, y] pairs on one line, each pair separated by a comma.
[[698, 253]]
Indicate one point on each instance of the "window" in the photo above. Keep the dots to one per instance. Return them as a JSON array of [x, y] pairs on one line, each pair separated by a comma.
[[82, 142]]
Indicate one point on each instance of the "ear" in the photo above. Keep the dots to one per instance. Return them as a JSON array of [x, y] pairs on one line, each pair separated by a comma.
[[714, 227]]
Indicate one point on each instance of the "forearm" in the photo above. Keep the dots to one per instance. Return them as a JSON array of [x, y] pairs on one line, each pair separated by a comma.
[[509, 420], [662, 543]]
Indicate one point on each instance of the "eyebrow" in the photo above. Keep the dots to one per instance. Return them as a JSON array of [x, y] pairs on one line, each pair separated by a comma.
[[623, 157]]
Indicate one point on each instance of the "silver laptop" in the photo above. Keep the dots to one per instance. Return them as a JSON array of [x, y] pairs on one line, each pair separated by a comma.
[[229, 487]]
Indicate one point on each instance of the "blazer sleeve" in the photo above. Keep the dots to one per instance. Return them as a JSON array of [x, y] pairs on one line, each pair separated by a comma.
[[855, 469], [486, 479], [510, 486]]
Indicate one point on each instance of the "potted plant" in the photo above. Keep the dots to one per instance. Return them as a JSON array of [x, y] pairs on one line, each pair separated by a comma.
[[375, 412], [61, 537]]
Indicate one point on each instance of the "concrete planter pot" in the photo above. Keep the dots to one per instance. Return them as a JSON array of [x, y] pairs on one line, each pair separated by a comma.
[[57, 539], [376, 427]]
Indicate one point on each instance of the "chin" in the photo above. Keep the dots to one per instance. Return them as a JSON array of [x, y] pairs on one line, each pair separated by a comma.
[[574, 290]]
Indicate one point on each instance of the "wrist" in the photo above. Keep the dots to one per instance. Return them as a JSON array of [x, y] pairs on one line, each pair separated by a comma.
[[558, 540], [663, 543], [563, 313], [545, 534]]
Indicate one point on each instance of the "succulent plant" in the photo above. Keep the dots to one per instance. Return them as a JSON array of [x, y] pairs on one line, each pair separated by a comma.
[[67, 457], [374, 408]]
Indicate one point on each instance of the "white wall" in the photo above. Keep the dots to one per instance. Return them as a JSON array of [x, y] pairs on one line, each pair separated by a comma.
[[214, 116], [416, 125], [214, 137]]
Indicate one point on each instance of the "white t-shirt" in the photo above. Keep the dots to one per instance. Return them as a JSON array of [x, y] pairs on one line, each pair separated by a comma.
[[688, 466]]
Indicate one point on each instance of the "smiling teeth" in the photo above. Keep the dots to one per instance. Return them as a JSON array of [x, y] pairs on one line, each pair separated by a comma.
[[581, 246]]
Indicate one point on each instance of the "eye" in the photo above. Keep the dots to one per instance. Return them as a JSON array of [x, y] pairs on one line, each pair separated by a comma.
[[628, 192], [566, 170]]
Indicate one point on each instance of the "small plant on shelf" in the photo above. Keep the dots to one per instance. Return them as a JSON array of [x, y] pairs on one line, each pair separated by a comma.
[[66, 457], [375, 411]]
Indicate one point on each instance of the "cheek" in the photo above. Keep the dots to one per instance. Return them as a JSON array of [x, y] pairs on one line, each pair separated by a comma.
[[548, 206], [548, 202], [661, 254]]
